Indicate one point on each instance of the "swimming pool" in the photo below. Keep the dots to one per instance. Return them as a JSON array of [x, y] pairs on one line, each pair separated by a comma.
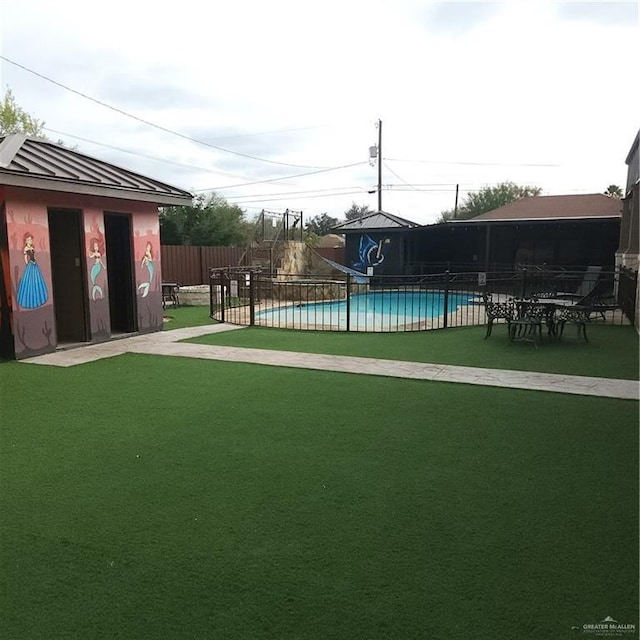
[[373, 311]]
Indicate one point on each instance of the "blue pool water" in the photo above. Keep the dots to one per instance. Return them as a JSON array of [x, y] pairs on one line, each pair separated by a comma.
[[373, 311]]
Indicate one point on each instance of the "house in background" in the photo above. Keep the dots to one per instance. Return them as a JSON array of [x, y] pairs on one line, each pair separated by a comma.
[[79, 248], [561, 231], [627, 254], [571, 230]]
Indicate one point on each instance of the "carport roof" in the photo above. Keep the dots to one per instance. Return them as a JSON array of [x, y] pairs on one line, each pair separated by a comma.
[[548, 208], [41, 164]]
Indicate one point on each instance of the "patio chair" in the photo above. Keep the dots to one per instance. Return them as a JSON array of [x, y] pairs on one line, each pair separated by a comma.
[[496, 311], [588, 284], [578, 316], [599, 300], [170, 293]]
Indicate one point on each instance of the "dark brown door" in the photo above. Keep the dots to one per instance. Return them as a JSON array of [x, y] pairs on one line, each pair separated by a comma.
[[68, 275], [122, 308]]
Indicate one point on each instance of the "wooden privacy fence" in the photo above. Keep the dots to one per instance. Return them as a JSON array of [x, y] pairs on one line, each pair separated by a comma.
[[187, 265]]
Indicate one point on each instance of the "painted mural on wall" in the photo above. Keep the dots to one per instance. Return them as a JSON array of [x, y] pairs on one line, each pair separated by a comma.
[[146, 264], [371, 253], [30, 267], [96, 252], [32, 288], [97, 285], [146, 247]]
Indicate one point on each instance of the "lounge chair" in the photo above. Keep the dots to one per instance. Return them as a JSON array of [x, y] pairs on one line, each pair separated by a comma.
[[599, 300], [588, 284]]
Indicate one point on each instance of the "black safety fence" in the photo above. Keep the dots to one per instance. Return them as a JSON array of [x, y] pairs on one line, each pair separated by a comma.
[[350, 302]]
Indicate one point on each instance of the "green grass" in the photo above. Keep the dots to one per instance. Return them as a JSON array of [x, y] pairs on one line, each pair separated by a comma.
[[285, 504], [180, 317], [612, 351]]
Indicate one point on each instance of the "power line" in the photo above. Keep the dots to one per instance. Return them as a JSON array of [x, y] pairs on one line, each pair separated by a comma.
[[206, 169], [143, 155], [399, 177], [295, 193], [330, 195], [317, 193], [152, 124], [481, 164], [188, 166], [363, 189], [320, 194], [298, 175], [267, 133]]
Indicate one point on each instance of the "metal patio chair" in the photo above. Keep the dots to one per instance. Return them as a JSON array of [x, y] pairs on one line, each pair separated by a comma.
[[496, 311], [573, 315]]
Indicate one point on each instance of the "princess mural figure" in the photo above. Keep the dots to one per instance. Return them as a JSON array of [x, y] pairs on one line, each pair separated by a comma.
[[96, 269], [147, 263], [32, 288]]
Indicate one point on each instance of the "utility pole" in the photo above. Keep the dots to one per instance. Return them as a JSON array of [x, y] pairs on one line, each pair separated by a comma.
[[455, 208], [379, 165]]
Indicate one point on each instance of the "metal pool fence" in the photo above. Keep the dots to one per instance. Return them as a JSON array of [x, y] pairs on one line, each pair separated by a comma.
[[249, 296]]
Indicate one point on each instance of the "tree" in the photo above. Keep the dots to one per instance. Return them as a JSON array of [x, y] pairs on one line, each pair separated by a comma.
[[321, 225], [209, 221], [14, 119], [614, 191], [356, 211], [488, 199]]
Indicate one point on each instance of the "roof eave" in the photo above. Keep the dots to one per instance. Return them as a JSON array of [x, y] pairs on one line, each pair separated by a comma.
[[371, 229], [16, 180], [529, 220]]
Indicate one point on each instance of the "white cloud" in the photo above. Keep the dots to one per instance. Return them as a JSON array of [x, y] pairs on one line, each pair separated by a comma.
[[496, 84]]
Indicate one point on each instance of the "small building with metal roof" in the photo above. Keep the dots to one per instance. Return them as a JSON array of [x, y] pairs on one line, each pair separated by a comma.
[[376, 242], [79, 248]]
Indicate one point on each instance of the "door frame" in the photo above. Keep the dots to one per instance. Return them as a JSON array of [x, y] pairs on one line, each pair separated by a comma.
[[52, 213]]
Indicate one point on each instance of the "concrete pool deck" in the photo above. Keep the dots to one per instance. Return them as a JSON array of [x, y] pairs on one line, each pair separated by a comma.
[[167, 343]]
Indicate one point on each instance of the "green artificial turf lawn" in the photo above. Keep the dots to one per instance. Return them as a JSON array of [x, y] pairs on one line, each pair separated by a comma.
[[612, 351], [170, 498], [180, 317]]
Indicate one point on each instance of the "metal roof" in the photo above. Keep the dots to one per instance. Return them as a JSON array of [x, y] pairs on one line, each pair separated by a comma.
[[42, 164], [550, 208], [373, 221]]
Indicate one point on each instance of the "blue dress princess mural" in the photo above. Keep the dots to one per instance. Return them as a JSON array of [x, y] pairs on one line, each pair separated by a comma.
[[32, 288]]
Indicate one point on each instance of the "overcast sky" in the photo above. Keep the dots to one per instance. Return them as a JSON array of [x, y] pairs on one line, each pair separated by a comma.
[[257, 94]]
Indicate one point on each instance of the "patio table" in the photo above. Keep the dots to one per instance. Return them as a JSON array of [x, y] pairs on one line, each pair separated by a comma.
[[530, 315]]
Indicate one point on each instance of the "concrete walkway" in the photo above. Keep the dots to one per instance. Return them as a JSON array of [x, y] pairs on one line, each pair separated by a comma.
[[166, 343]]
